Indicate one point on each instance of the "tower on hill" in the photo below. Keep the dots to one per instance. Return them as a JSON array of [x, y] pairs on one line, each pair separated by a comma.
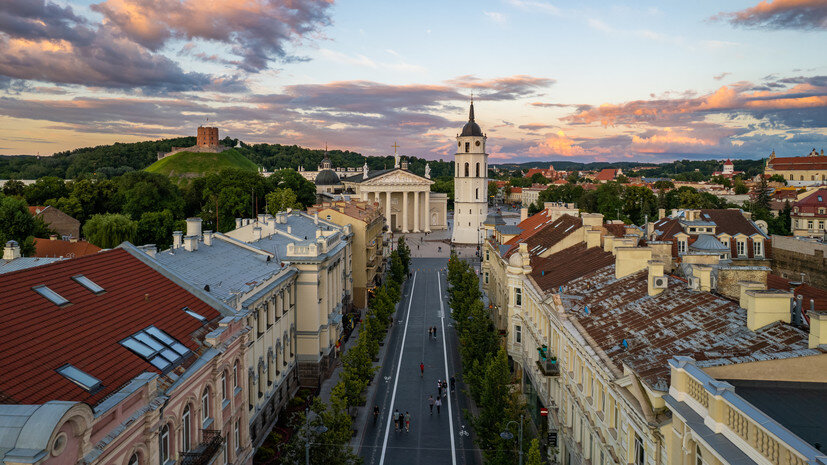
[[206, 137]]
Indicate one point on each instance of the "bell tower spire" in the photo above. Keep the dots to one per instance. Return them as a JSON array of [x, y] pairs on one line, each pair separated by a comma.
[[470, 183]]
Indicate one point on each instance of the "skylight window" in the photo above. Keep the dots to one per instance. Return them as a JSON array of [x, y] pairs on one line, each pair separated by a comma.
[[157, 348], [53, 296], [88, 284], [195, 315], [82, 379]]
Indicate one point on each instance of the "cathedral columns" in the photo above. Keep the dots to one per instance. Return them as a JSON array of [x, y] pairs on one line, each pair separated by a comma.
[[404, 211], [388, 210], [417, 212], [428, 210]]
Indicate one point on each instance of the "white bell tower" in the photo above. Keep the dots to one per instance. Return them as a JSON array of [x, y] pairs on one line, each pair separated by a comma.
[[470, 184]]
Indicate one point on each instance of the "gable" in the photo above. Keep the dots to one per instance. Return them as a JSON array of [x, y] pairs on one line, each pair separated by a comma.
[[397, 177]]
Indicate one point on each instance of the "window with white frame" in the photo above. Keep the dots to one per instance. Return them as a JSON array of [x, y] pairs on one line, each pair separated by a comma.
[[518, 296], [741, 248], [164, 446], [486, 254], [809, 224], [757, 248], [725, 241], [223, 385], [237, 435], [681, 246], [518, 334], [640, 452], [235, 374], [205, 405], [186, 430], [486, 277]]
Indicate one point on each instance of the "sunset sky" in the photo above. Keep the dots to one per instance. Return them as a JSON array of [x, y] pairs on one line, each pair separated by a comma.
[[584, 81]]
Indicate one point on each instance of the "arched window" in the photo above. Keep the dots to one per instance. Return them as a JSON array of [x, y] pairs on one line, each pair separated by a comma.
[[186, 429], [478, 169], [164, 446], [466, 169], [467, 147], [224, 385], [205, 405], [251, 386], [270, 374], [478, 189], [284, 351], [134, 460], [261, 379]]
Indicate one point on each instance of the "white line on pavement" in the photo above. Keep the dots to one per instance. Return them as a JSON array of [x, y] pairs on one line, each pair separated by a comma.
[[447, 376], [396, 381]]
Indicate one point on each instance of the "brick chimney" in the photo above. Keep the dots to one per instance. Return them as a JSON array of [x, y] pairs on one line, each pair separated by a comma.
[[11, 251], [767, 307], [818, 329]]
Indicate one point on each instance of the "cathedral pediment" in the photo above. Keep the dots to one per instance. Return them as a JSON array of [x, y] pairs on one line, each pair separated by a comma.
[[397, 177]]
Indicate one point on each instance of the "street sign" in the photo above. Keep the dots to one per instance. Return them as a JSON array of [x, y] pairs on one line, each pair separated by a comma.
[[544, 411], [552, 438]]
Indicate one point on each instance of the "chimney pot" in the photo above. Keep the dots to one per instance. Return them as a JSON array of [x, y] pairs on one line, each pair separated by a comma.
[[208, 237], [194, 227], [177, 239], [53, 237], [191, 243], [11, 251]]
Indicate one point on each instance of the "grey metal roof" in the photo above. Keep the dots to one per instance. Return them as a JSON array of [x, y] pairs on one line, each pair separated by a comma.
[[509, 229], [708, 243], [471, 128], [25, 430], [327, 178], [494, 219], [23, 263]]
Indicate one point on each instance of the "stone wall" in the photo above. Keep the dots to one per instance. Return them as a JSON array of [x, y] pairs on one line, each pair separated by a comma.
[[794, 256], [730, 276]]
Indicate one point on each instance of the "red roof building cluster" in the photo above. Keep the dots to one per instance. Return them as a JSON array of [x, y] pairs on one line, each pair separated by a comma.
[[54, 247]]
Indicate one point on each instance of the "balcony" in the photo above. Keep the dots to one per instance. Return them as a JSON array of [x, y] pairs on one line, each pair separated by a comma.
[[204, 452], [547, 363]]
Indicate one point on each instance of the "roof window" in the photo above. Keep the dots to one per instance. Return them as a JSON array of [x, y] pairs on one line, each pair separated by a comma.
[[53, 296], [88, 284], [82, 379], [157, 348], [195, 315]]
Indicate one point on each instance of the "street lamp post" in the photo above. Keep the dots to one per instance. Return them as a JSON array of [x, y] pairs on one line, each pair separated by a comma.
[[321, 429], [508, 435]]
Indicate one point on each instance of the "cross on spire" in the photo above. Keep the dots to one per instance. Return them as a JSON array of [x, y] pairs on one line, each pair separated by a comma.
[[395, 146]]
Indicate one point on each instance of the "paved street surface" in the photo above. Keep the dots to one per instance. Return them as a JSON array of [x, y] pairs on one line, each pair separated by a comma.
[[434, 438]]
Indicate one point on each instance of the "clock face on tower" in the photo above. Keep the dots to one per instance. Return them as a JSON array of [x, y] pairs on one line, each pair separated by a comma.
[[477, 143]]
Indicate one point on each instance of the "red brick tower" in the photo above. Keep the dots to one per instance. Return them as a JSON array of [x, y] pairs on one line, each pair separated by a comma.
[[207, 137]]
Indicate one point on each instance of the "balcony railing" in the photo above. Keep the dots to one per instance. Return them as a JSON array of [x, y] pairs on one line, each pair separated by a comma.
[[204, 452], [547, 363]]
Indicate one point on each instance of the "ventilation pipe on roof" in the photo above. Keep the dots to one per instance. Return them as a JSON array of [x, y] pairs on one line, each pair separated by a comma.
[[194, 227], [177, 241], [208, 237], [11, 250], [190, 243], [818, 329]]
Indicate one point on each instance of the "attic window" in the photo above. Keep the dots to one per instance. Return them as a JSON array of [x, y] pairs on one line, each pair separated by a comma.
[[88, 284], [82, 379], [53, 296], [195, 315], [157, 348]]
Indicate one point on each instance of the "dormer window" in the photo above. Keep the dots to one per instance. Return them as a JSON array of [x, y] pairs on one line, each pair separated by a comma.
[[682, 246], [53, 296], [757, 249]]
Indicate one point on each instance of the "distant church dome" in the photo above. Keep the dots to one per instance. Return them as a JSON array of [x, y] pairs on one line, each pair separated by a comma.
[[471, 128], [327, 178]]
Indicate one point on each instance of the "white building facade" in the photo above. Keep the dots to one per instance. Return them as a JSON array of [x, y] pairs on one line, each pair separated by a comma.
[[470, 184]]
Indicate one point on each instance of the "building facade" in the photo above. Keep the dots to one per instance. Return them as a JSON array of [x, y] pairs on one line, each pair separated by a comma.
[[809, 170], [162, 385], [366, 223], [470, 183], [809, 215], [591, 319]]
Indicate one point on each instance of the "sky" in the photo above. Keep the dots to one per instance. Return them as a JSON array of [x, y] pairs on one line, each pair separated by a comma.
[[643, 81]]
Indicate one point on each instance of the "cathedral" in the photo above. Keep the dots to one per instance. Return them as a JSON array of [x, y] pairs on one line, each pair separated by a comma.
[[470, 184]]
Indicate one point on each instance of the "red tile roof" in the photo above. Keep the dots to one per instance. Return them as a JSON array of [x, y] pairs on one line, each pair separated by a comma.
[[798, 163], [61, 248], [559, 268], [35, 209], [816, 199], [37, 337], [544, 235], [679, 321], [606, 174]]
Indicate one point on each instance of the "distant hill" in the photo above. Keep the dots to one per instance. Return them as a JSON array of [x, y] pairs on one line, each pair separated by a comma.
[[196, 164]]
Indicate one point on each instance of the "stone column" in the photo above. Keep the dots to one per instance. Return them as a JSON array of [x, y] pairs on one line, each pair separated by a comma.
[[388, 209], [404, 211], [417, 212], [428, 210]]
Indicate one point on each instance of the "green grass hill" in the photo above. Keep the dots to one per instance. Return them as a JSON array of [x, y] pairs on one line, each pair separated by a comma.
[[193, 164]]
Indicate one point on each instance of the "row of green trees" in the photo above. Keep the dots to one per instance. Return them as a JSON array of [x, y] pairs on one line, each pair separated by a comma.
[[485, 369], [329, 445], [145, 208]]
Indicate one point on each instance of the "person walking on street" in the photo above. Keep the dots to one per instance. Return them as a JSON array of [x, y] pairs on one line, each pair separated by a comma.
[[453, 384], [421, 369], [375, 413], [438, 404], [396, 420], [431, 403], [407, 422], [438, 388], [445, 387]]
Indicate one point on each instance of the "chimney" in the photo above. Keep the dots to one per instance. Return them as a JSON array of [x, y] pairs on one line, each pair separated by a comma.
[[748, 286], [177, 237], [256, 233], [208, 237], [289, 229], [190, 243], [818, 329], [704, 275], [629, 260], [608, 243], [658, 281], [767, 307], [11, 251], [194, 227], [53, 237], [261, 218], [592, 219], [593, 237], [149, 249], [523, 213], [237, 223], [662, 252], [315, 218]]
